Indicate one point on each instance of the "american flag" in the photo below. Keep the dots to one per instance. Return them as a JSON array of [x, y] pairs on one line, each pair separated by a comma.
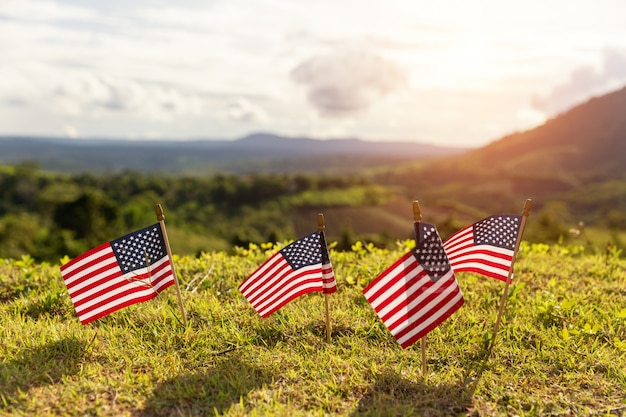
[[125, 271], [418, 292], [299, 268], [485, 247]]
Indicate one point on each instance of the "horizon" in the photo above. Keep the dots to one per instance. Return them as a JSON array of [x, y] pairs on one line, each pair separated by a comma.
[[207, 139], [454, 75]]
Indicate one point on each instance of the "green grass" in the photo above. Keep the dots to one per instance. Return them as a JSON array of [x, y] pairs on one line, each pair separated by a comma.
[[561, 348]]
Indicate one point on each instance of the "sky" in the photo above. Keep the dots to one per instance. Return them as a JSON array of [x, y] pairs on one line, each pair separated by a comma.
[[450, 72]]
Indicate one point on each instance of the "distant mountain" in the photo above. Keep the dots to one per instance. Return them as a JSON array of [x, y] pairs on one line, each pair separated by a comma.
[[260, 152]]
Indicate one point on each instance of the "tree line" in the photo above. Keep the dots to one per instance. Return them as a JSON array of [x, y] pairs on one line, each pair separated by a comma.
[[48, 215]]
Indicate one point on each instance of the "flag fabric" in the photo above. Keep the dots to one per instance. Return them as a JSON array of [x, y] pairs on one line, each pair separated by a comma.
[[116, 274], [418, 292], [299, 268], [485, 247]]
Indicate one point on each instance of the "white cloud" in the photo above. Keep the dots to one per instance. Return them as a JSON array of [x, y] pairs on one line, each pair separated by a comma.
[[242, 110], [450, 72], [586, 81], [346, 81]]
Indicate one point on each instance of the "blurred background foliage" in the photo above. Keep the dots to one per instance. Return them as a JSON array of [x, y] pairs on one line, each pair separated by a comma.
[[49, 215]]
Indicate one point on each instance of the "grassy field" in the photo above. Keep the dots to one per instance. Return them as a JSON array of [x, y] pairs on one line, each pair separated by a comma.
[[560, 351]]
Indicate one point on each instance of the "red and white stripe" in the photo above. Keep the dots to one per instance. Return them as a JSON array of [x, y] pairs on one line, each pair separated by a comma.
[[409, 302], [328, 276], [276, 283], [97, 286], [465, 256]]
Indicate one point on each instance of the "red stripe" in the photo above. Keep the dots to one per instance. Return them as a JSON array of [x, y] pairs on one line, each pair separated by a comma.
[[460, 265], [432, 326], [118, 296], [107, 273], [400, 293], [419, 312], [392, 281], [83, 256], [117, 307], [476, 252], [114, 274], [99, 293], [416, 309], [107, 260], [258, 279], [491, 274], [289, 285], [293, 297], [269, 281], [459, 236]]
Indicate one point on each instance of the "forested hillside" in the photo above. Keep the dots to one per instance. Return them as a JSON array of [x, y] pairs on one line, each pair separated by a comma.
[[573, 167], [47, 215]]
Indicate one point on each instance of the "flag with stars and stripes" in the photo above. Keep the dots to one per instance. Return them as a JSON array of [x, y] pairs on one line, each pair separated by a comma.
[[485, 247], [299, 268], [418, 292], [114, 275]]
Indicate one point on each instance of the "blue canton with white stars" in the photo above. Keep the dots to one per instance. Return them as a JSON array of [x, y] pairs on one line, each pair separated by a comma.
[[499, 230], [139, 249], [429, 251], [303, 252]]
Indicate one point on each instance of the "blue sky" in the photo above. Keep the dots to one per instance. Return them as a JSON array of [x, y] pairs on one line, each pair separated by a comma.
[[449, 73]]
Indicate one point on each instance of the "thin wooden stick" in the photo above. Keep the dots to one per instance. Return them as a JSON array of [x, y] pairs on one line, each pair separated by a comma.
[[417, 217], [161, 219], [320, 228], [509, 278]]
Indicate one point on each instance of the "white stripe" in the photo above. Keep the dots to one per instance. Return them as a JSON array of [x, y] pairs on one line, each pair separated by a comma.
[[401, 298], [287, 281], [73, 276], [477, 259], [483, 267], [78, 264], [382, 298], [112, 270], [115, 302], [264, 284], [108, 283], [261, 277], [454, 240], [169, 279], [408, 315], [390, 276], [431, 319], [282, 299], [495, 249], [129, 278], [328, 276]]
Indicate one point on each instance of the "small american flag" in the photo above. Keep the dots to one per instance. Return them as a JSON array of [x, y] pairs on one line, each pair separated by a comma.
[[418, 292], [485, 247], [125, 271], [299, 268]]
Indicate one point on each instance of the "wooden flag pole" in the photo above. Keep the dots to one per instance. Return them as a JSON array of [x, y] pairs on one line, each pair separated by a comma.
[[525, 214], [161, 219], [320, 228], [417, 217]]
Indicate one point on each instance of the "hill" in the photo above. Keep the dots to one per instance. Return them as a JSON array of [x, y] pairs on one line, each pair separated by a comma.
[[573, 167], [560, 349], [251, 154], [576, 161]]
